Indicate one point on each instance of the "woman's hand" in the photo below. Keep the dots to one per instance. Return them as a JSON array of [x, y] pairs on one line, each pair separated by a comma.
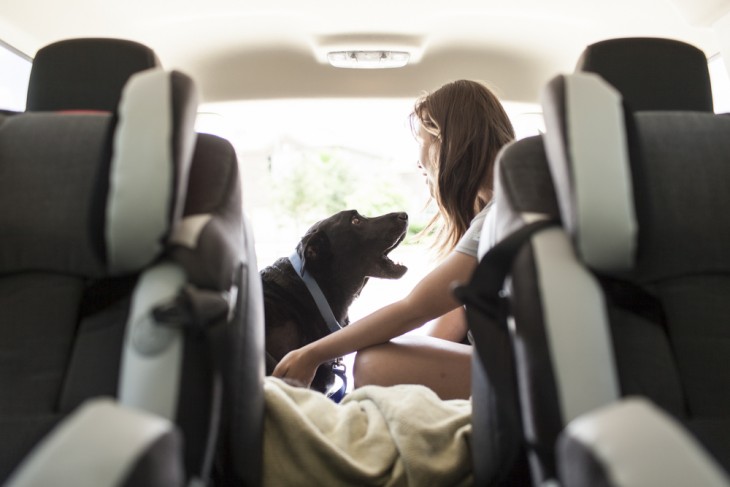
[[430, 298], [297, 365]]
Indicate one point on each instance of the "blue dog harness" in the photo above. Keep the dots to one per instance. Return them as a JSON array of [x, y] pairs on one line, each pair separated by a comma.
[[338, 368]]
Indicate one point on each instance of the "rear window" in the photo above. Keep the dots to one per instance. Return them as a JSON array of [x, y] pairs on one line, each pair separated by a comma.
[[303, 160]]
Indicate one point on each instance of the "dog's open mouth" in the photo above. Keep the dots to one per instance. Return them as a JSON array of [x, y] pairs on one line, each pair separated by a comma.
[[393, 270]]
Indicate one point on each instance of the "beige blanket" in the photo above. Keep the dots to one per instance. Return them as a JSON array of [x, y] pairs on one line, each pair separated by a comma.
[[387, 436]]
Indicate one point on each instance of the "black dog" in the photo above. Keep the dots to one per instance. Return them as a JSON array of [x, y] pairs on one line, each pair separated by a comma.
[[339, 253]]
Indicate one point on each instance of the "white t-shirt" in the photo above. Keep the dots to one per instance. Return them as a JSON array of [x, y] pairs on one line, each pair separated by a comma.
[[469, 242]]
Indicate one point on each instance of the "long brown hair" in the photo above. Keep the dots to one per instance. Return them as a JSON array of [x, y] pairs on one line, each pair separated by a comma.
[[470, 126]]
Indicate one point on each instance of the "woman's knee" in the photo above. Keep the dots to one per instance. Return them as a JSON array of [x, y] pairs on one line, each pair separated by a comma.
[[368, 366]]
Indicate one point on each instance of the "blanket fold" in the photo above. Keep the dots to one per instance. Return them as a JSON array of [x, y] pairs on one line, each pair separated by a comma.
[[386, 436]]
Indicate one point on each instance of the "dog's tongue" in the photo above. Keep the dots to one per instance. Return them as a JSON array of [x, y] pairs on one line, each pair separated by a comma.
[[392, 270]]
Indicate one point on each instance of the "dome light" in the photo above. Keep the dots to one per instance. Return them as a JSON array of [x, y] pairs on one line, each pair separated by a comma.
[[368, 59]]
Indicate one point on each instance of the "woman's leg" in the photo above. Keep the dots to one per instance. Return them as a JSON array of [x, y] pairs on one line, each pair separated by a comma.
[[451, 326], [441, 365]]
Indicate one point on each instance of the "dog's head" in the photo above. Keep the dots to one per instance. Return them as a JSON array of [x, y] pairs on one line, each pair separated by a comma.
[[349, 247]]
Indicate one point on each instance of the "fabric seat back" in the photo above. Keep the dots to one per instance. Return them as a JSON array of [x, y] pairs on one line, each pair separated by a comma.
[[624, 298], [63, 305], [219, 403]]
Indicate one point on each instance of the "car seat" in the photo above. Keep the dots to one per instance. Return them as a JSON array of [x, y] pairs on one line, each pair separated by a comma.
[[652, 73], [214, 204], [524, 193], [218, 307], [611, 325]]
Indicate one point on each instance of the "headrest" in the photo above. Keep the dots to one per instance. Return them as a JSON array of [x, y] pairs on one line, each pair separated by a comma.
[[85, 74], [208, 242], [97, 194], [652, 73], [523, 191], [588, 157]]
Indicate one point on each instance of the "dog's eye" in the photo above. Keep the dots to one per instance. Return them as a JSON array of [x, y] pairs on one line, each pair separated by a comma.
[[355, 220]]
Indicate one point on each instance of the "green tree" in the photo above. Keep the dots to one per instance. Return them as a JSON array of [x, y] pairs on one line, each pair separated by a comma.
[[324, 183]]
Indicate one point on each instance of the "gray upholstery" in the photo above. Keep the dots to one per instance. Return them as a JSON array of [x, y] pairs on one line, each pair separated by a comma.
[[217, 245], [55, 263], [683, 258], [665, 313], [652, 73], [522, 164], [633, 443], [51, 187], [85, 73], [126, 448], [55, 308], [691, 148], [588, 159], [528, 171], [146, 187], [225, 242]]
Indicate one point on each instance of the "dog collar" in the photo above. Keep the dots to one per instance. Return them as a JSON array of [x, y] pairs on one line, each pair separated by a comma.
[[324, 307]]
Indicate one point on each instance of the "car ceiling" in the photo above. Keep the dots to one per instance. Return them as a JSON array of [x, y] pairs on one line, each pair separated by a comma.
[[243, 49]]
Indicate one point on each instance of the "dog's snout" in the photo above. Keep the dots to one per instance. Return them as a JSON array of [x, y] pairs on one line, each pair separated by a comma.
[[403, 216]]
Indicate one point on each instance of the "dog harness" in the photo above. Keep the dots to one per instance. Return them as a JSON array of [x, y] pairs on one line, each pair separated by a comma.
[[322, 305], [338, 368]]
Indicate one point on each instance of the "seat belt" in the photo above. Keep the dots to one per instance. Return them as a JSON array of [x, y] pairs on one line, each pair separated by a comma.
[[199, 311], [632, 297], [487, 311]]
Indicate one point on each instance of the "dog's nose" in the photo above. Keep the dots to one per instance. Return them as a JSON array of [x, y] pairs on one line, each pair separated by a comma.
[[403, 216]]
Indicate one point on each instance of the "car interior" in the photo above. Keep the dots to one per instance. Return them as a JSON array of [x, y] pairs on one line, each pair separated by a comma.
[[131, 311]]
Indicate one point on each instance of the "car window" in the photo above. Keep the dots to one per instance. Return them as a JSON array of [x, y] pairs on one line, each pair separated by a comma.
[[14, 74], [720, 84], [302, 160]]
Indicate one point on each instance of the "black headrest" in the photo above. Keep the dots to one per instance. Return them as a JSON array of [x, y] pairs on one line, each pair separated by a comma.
[[85, 74], [652, 73]]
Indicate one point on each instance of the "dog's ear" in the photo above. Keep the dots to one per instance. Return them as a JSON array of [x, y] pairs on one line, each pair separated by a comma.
[[314, 249]]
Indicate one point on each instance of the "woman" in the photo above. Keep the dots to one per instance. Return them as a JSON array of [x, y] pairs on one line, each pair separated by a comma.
[[460, 128]]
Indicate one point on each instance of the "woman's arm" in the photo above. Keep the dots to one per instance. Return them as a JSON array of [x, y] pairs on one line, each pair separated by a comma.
[[432, 297], [451, 326]]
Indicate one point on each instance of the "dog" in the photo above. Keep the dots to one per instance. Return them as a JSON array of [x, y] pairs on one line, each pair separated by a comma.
[[340, 254]]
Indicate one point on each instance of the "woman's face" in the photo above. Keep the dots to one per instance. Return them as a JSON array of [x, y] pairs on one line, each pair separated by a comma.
[[425, 162]]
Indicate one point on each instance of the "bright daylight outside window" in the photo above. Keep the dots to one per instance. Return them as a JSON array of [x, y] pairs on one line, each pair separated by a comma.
[[720, 84], [14, 74], [303, 160]]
